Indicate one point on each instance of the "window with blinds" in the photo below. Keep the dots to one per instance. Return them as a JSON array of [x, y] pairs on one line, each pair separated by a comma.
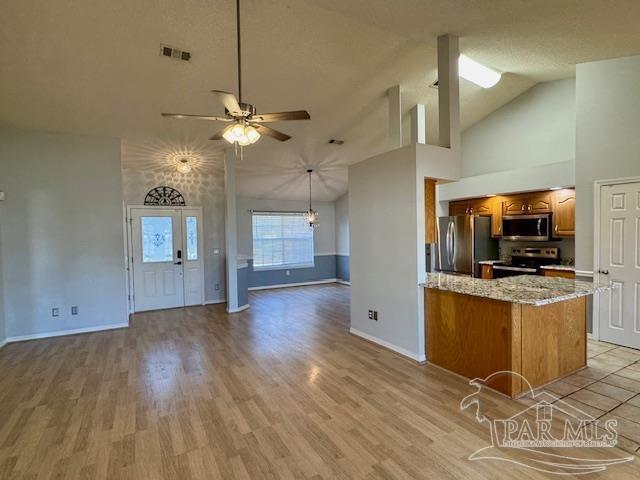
[[281, 240]]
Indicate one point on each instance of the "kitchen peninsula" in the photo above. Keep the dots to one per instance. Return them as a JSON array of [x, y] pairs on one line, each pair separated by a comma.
[[531, 325]]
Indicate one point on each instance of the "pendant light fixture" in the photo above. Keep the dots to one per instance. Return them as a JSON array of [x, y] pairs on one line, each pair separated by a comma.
[[312, 215]]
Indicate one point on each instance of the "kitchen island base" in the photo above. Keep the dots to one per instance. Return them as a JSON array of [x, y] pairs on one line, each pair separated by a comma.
[[476, 337]]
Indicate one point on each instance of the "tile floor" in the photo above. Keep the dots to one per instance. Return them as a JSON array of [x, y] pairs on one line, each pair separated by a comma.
[[608, 388]]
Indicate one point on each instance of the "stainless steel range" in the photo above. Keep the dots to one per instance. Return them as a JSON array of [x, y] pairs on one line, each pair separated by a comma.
[[526, 261]]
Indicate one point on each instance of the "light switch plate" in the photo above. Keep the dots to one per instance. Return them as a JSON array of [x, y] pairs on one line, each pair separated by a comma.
[[2, 196]]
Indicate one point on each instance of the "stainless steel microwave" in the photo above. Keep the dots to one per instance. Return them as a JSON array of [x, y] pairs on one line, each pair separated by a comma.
[[535, 228]]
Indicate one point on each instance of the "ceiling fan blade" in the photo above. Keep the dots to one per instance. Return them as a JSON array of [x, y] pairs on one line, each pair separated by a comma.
[[229, 101], [198, 117], [281, 116], [270, 132]]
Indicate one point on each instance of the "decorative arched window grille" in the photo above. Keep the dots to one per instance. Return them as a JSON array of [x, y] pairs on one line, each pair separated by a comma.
[[164, 196]]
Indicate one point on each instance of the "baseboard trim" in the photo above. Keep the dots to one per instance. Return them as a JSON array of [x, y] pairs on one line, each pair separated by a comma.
[[388, 346], [213, 302], [62, 333], [3, 343], [343, 282], [239, 309], [300, 284]]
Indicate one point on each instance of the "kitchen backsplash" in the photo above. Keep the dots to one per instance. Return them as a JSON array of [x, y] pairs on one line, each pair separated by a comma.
[[566, 248]]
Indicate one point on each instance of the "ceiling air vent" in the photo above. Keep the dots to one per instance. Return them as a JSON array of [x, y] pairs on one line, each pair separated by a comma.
[[333, 141], [175, 53]]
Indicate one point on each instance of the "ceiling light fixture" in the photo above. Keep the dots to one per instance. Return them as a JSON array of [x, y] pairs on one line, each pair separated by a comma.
[[477, 73], [183, 165], [242, 133], [312, 215]]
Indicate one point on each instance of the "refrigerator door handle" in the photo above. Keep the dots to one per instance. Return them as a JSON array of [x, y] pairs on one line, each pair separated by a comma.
[[453, 244], [450, 244], [447, 243]]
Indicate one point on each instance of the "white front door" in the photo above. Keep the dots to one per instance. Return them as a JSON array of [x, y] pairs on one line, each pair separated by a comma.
[[166, 257], [619, 262]]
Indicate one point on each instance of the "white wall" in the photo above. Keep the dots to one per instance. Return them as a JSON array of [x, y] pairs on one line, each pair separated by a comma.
[[387, 249], [62, 232], [383, 252], [342, 225], [528, 144], [324, 235], [203, 186], [607, 137], [536, 128]]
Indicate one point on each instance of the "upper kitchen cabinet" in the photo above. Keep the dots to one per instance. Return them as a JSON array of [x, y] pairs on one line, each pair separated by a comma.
[[527, 204], [485, 207], [476, 206], [564, 213]]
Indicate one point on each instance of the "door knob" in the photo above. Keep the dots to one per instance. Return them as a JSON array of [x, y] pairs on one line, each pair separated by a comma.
[[604, 272], [178, 262]]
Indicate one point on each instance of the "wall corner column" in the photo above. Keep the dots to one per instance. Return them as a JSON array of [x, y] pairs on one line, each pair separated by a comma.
[[449, 92]]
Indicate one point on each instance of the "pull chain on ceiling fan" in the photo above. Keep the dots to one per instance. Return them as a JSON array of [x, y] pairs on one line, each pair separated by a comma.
[[247, 125]]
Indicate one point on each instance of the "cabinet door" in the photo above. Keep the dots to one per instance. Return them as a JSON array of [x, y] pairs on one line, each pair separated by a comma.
[[538, 203], [514, 206], [559, 273], [496, 217], [481, 207], [486, 272], [458, 208], [564, 213]]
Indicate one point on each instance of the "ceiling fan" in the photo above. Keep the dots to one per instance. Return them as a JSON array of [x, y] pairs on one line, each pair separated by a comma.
[[246, 124]]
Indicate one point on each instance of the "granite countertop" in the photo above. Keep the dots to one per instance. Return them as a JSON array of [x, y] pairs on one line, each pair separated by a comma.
[[525, 289], [567, 268]]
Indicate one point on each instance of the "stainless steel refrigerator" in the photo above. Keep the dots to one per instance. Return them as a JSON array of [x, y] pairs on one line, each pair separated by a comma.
[[463, 241]]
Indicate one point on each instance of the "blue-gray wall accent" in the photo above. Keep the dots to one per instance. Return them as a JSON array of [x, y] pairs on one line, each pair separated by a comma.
[[342, 267], [324, 269], [243, 286]]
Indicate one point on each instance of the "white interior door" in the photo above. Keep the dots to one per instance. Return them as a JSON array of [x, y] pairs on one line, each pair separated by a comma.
[[193, 265], [157, 258], [619, 309]]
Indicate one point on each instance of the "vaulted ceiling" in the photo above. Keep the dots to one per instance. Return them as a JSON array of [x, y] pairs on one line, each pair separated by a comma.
[[93, 67]]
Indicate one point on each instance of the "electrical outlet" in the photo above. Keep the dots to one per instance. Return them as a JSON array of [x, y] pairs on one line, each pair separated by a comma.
[[74, 310], [217, 286], [370, 314], [55, 312]]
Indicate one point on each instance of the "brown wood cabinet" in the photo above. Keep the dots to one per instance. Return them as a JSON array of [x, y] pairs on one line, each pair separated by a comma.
[[486, 272], [527, 204], [559, 273], [560, 203], [564, 213], [485, 207], [476, 337]]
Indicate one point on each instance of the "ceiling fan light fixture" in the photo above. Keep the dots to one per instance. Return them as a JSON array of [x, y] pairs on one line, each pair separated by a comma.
[[252, 134], [477, 73]]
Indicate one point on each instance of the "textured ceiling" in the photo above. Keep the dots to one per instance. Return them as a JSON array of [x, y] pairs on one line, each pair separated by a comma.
[[93, 67]]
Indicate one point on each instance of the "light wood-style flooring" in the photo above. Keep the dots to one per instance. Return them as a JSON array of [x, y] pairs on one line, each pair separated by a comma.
[[281, 390]]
